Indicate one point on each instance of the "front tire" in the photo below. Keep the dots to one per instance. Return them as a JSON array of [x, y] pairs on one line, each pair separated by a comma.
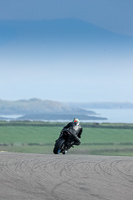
[[58, 146]]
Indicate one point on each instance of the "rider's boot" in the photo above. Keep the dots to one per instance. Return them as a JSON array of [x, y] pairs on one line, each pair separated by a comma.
[[72, 143]]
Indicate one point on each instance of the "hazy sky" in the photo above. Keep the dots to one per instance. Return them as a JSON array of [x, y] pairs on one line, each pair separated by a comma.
[[70, 50]]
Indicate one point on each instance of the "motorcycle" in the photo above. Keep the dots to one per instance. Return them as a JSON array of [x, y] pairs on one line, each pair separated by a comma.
[[63, 143]]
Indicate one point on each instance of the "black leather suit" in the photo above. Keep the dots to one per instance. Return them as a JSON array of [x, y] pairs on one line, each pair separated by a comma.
[[75, 130]]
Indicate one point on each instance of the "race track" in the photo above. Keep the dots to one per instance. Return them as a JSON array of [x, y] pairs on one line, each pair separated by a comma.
[[65, 177]]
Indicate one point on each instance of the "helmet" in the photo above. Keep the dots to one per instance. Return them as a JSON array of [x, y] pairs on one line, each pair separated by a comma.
[[76, 120]]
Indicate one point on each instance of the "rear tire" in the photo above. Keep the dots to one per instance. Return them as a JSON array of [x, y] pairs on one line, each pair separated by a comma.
[[58, 146]]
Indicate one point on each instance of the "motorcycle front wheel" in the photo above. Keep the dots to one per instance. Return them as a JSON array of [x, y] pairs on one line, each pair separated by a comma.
[[58, 146]]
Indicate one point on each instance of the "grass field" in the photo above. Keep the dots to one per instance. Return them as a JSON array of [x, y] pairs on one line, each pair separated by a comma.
[[35, 138]]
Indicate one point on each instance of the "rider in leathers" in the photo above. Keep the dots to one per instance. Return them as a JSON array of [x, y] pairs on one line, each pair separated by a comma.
[[75, 129]]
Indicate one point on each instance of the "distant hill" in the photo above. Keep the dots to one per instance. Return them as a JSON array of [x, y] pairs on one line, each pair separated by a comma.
[[37, 109], [38, 106], [32, 106]]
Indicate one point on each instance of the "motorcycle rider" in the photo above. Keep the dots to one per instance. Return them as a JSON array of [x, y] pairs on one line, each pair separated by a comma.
[[75, 129]]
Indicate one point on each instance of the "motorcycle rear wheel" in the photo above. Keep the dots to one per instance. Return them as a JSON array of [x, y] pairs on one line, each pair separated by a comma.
[[58, 146]]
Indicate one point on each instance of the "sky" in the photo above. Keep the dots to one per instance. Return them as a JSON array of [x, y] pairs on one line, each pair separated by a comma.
[[67, 51]]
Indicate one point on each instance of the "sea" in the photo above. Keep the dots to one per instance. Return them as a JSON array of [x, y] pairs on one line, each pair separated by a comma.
[[112, 115]]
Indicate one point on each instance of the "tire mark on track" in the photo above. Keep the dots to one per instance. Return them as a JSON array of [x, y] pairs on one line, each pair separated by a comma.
[[57, 177]]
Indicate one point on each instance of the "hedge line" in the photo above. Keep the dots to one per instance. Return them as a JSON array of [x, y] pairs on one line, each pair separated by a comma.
[[61, 124]]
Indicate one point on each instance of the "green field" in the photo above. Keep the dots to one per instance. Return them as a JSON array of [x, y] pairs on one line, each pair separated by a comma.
[[101, 139]]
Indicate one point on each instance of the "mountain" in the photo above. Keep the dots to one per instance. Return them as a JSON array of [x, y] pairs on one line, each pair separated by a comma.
[[38, 106], [37, 109]]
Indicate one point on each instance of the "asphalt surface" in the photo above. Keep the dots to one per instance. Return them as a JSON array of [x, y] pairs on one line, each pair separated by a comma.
[[65, 177]]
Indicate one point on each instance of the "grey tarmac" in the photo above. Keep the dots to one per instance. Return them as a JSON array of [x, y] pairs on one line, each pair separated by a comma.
[[65, 177]]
